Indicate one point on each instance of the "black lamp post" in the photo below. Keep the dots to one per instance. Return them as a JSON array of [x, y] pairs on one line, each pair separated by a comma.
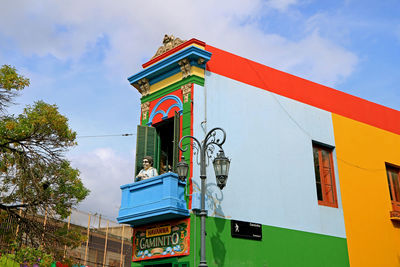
[[221, 168]]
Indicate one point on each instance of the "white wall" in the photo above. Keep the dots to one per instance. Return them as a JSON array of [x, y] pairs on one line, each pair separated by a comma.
[[269, 139]]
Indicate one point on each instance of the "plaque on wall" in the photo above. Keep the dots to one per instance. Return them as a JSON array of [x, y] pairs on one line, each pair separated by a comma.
[[161, 240], [247, 230]]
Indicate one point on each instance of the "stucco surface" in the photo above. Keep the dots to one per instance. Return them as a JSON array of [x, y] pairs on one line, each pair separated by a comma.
[[269, 139], [373, 239]]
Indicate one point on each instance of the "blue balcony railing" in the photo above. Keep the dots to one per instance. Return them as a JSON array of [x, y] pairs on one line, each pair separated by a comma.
[[156, 199]]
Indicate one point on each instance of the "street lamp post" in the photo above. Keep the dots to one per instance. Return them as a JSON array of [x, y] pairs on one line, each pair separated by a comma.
[[221, 164]]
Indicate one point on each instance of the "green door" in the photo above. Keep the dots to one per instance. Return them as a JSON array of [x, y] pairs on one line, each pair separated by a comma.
[[146, 145]]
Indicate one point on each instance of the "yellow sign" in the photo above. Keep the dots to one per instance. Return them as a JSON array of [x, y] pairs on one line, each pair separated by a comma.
[[165, 239], [163, 230]]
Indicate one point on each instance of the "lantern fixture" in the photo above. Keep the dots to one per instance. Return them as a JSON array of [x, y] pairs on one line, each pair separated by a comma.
[[221, 168], [182, 169]]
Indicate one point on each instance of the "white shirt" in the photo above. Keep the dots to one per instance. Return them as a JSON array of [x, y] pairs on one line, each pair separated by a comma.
[[146, 174]]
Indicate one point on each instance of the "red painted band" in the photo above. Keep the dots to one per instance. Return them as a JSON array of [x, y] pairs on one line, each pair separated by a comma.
[[319, 96], [170, 52]]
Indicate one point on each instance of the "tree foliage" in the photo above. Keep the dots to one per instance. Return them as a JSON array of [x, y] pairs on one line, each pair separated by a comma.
[[10, 83], [35, 177]]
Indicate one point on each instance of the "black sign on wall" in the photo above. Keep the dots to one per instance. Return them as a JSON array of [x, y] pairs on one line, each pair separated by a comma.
[[247, 230]]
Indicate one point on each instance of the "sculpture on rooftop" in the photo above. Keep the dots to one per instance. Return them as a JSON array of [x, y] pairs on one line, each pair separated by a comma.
[[169, 42]]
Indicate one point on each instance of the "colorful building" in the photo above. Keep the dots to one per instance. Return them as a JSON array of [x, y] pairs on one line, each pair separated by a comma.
[[315, 168]]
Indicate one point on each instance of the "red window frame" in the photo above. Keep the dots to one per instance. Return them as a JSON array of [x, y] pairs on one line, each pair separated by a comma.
[[325, 176], [393, 176]]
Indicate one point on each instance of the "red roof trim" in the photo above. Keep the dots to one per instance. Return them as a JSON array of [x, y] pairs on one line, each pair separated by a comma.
[[170, 52], [320, 96]]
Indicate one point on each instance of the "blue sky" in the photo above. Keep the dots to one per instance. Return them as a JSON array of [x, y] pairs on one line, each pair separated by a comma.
[[78, 55]]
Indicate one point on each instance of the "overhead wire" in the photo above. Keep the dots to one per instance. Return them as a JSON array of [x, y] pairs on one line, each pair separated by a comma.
[[298, 124], [105, 135]]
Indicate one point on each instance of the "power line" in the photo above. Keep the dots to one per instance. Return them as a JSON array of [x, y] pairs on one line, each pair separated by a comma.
[[104, 135], [360, 167], [298, 124]]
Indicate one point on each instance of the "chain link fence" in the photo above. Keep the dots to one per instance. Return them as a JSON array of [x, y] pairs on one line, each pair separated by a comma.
[[107, 242]]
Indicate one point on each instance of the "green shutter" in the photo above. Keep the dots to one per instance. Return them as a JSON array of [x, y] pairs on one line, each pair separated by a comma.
[[177, 134], [146, 145]]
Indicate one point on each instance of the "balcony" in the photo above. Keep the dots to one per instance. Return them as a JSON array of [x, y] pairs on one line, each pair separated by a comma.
[[156, 199]]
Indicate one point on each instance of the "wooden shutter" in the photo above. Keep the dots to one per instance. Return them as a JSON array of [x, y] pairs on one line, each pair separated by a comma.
[[394, 187], [177, 135], [324, 175], [327, 173], [146, 145]]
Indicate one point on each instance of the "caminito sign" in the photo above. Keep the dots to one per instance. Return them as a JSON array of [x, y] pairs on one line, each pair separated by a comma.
[[166, 239]]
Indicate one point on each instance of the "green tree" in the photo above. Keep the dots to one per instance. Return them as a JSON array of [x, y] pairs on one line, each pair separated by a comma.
[[10, 83], [36, 179]]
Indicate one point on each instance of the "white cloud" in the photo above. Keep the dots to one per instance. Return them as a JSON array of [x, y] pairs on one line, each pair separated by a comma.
[[281, 5], [135, 29], [103, 172], [66, 30], [312, 57], [320, 60]]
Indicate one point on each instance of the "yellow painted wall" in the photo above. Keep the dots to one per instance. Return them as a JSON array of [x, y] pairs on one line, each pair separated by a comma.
[[175, 78], [362, 150]]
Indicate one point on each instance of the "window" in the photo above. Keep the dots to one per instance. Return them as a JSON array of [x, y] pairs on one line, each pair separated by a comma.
[[393, 174], [161, 143], [324, 176]]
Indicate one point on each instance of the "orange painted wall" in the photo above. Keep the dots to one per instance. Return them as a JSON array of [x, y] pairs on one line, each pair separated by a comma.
[[362, 150]]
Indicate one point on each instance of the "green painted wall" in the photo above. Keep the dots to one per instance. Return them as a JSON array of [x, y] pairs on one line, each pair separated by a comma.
[[279, 247], [186, 130]]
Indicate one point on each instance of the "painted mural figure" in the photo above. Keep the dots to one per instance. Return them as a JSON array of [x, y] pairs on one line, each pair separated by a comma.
[[148, 170]]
